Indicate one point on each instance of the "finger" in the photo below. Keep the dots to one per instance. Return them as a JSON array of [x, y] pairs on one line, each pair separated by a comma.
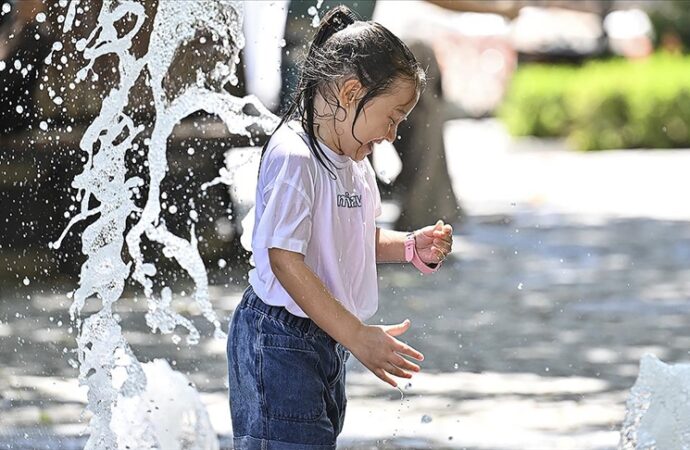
[[409, 351], [397, 371], [384, 376], [445, 230], [439, 235], [443, 245], [432, 230], [401, 362], [440, 255], [397, 330]]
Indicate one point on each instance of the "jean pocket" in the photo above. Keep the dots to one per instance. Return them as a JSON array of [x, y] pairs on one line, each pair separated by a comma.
[[291, 380]]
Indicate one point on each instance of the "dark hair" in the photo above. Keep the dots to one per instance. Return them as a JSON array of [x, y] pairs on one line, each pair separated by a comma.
[[347, 47]]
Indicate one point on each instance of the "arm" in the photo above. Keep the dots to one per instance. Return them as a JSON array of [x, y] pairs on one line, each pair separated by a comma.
[[390, 246], [374, 346]]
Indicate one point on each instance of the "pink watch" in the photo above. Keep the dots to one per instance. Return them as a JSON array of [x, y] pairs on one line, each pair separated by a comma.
[[412, 256]]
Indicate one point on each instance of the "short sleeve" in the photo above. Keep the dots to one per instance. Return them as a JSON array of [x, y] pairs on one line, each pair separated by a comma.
[[287, 194]]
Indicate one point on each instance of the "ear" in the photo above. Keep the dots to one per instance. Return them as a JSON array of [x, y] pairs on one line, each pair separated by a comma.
[[349, 92]]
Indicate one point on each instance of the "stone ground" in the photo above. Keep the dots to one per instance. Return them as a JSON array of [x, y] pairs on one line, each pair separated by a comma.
[[570, 268]]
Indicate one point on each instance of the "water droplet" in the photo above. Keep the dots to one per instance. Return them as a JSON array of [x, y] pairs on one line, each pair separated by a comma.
[[190, 151], [40, 17], [222, 263], [2, 65], [520, 286], [19, 109], [43, 125], [426, 418], [6, 7], [172, 209], [26, 281], [57, 100]]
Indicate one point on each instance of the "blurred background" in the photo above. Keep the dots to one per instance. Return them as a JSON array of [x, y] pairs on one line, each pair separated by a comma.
[[553, 135]]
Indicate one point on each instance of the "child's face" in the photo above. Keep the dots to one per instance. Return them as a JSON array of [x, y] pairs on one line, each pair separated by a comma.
[[378, 120]]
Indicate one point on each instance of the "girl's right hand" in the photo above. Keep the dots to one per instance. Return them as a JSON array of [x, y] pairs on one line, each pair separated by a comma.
[[376, 347]]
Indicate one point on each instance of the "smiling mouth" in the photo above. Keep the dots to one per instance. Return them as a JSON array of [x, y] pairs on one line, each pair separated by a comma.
[[370, 145]]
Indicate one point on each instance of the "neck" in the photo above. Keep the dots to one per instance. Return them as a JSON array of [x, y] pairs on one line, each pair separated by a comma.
[[328, 136]]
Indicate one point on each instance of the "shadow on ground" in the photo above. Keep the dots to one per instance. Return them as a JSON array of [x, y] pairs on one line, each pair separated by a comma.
[[550, 296]]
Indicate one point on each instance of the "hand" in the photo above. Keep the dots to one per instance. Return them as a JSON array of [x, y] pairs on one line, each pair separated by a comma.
[[434, 242], [376, 348]]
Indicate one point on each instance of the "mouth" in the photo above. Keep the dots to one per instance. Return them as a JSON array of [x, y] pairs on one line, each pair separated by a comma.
[[369, 146]]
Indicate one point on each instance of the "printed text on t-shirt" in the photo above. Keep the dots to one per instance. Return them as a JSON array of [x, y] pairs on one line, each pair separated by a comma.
[[349, 201]]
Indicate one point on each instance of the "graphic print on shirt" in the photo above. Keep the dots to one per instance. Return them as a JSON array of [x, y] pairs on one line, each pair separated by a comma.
[[348, 200]]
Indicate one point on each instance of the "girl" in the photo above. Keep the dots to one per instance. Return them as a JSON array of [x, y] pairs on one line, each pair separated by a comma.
[[315, 244]]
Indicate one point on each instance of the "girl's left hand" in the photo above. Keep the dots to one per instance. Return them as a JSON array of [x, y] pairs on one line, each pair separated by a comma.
[[434, 242]]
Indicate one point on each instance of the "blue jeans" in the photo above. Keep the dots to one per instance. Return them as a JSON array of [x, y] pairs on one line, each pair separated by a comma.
[[286, 380]]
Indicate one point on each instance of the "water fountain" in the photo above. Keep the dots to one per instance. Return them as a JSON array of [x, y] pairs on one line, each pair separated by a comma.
[[119, 386], [658, 408], [125, 403]]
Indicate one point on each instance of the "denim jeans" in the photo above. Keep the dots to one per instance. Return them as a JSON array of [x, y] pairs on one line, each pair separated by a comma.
[[286, 380]]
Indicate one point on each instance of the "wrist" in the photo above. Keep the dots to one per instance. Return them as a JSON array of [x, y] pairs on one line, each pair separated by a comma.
[[353, 336], [412, 255]]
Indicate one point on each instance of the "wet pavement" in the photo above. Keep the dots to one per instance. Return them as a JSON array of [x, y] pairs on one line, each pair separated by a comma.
[[532, 332]]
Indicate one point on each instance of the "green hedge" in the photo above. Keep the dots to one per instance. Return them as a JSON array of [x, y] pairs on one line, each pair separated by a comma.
[[604, 104]]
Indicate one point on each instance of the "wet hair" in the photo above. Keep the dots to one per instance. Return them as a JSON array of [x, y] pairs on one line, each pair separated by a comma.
[[345, 47]]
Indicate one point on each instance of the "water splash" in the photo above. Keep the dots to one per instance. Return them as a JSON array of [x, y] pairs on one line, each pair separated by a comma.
[[108, 366], [658, 409]]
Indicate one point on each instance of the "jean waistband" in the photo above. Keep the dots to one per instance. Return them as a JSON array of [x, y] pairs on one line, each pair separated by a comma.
[[305, 325]]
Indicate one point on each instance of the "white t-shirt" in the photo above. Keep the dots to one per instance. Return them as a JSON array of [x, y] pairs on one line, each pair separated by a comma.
[[301, 208]]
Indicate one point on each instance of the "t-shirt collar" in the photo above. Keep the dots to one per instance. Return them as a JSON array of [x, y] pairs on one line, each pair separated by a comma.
[[341, 161], [333, 156]]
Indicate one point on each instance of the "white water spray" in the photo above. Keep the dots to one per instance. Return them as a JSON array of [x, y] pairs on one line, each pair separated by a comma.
[[116, 380], [658, 408]]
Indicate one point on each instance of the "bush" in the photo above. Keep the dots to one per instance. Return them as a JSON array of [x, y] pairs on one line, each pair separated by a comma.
[[604, 104]]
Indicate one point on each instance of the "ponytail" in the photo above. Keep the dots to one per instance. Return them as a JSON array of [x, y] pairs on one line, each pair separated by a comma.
[[335, 20]]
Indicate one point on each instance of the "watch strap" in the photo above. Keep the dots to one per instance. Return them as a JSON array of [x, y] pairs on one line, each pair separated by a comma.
[[412, 256]]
